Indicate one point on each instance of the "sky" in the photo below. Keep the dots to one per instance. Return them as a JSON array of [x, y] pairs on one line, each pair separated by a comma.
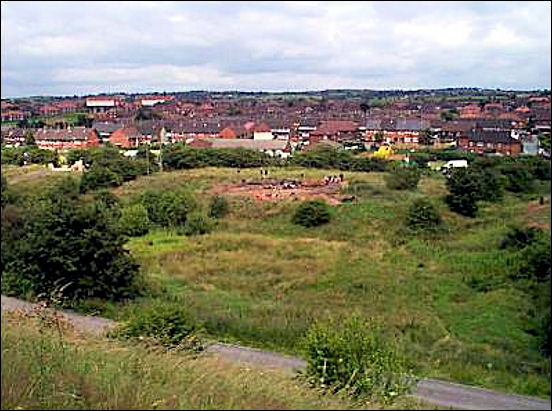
[[67, 48]]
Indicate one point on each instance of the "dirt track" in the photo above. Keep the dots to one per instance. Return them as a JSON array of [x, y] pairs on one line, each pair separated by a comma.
[[441, 393]]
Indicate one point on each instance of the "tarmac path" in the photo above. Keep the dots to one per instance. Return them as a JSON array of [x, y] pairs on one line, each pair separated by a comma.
[[441, 393]]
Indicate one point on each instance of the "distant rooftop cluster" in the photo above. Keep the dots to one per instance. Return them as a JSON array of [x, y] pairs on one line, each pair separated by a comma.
[[281, 123]]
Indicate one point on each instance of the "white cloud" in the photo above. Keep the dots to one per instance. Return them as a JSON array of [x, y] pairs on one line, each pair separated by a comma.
[[291, 44]]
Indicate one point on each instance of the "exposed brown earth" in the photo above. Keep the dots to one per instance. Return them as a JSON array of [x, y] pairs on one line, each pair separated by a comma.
[[278, 190]]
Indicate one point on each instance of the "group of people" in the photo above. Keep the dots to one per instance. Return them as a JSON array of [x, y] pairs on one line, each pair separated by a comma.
[[333, 179]]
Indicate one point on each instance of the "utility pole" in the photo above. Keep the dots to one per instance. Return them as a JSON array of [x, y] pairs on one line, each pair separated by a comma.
[[147, 159]]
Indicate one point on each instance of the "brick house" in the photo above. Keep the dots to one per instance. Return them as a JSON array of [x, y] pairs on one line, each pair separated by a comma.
[[71, 137], [490, 141], [227, 132], [127, 137]]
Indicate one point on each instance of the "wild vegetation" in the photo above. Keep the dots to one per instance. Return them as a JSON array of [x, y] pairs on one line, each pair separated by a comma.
[[43, 368], [456, 304]]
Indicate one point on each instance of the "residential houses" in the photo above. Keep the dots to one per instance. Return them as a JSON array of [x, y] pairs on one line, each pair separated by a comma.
[[68, 138]]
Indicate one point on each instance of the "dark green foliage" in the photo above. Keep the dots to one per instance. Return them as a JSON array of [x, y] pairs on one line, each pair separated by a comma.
[[169, 208], [535, 261], [5, 195], [329, 157], [134, 220], [422, 216], [218, 207], [518, 178], [404, 178], [491, 185], [64, 241], [181, 157], [168, 323], [107, 167], [465, 190], [351, 355], [198, 223], [312, 213], [518, 238], [20, 156]]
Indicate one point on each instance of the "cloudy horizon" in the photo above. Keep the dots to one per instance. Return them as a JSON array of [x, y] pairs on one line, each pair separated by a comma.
[[77, 48]]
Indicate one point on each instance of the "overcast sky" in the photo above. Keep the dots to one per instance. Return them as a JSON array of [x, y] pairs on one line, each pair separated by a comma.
[[71, 48]]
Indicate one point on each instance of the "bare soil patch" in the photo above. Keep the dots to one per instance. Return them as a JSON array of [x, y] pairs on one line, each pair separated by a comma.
[[270, 189]]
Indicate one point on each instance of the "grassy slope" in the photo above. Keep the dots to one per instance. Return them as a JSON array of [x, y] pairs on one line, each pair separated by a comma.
[[42, 369], [260, 280]]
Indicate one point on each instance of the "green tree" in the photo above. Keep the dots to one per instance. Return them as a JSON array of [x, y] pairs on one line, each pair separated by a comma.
[[30, 138], [465, 190], [68, 242], [134, 220]]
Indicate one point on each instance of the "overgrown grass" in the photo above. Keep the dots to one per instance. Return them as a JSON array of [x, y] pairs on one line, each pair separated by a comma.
[[42, 369], [259, 279]]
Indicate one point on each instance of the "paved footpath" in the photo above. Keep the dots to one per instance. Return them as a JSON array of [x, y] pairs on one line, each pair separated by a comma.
[[441, 393]]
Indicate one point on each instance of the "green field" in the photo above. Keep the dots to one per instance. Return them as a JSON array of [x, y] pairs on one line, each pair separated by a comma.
[[259, 280]]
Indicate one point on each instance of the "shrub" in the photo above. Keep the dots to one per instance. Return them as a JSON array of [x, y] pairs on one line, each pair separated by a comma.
[[518, 178], [423, 216], [403, 179], [312, 214], [66, 241], [491, 185], [107, 167], [218, 207], [134, 220], [169, 323], [519, 238], [465, 190], [535, 262], [350, 355], [198, 223], [169, 208]]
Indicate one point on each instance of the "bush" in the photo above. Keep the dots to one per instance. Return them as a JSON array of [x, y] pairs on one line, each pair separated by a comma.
[[465, 190], [519, 238], [218, 207], [198, 223], [535, 262], [107, 167], [491, 186], [518, 178], [403, 179], [168, 208], [312, 214], [134, 220], [423, 216], [350, 355], [168, 323], [64, 241]]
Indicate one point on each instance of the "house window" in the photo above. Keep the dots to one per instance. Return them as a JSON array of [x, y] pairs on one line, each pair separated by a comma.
[[489, 145]]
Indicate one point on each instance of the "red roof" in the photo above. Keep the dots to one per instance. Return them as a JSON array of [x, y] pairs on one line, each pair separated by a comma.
[[262, 128]]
